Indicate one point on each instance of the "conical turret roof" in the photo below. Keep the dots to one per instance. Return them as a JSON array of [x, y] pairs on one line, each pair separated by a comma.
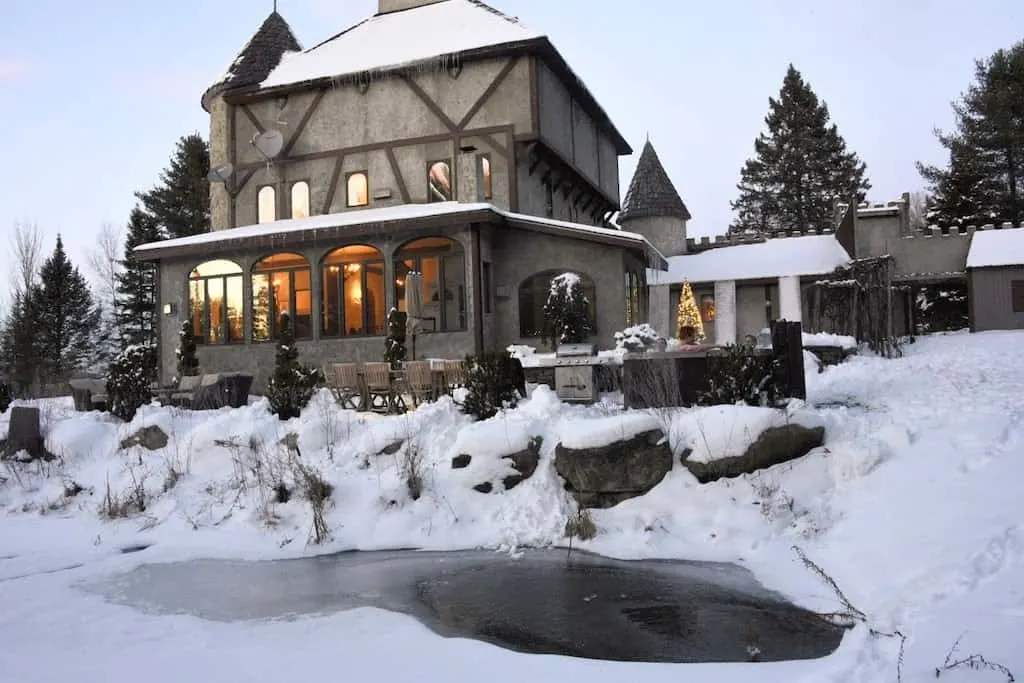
[[651, 192], [258, 58]]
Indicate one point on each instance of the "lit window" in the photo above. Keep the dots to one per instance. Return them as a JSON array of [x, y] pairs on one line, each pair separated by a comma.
[[215, 302], [635, 313], [485, 178], [281, 283], [358, 189], [267, 209], [533, 294], [441, 263], [439, 182], [300, 199], [354, 292], [707, 308]]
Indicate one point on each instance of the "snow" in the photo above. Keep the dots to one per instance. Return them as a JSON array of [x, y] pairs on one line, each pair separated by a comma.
[[389, 214], [990, 248], [778, 257], [400, 39], [843, 341], [912, 506]]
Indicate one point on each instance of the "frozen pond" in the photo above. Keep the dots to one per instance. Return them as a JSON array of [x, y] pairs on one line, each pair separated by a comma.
[[542, 601]]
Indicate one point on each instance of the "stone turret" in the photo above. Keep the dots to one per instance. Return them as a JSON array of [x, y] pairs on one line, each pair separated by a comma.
[[653, 208]]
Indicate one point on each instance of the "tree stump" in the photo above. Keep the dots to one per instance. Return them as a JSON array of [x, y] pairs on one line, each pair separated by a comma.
[[25, 434]]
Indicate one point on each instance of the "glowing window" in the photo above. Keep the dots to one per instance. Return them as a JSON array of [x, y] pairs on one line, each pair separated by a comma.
[[215, 302], [300, 199], [439, 182], [354, 292], [282, 283], [266, 205], [358, 189]]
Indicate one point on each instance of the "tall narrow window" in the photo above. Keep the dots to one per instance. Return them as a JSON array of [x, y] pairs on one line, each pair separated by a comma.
[[485, 275], [353, 292], [267, 205], [300, 199], [281, 283], [442, 264], [215, 302], [549, 199], [439, 182], [357, 188], [484, 177]]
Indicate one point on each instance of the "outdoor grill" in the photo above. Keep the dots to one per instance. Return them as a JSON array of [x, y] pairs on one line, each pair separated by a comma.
[[574, 373]]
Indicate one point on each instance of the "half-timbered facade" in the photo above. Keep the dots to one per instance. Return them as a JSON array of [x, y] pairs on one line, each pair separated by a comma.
[[437, 136]]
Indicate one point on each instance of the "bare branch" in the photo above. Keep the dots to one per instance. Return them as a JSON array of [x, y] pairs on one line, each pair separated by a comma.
[[26, 251], [105, 263]]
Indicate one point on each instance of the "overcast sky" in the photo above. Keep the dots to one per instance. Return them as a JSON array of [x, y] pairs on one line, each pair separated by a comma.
[[93, 95]]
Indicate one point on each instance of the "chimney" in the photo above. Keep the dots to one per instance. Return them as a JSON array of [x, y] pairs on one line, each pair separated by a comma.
[[388, 6]]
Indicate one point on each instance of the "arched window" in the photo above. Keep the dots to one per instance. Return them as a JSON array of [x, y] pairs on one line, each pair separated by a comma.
[[439, 182], [300, 199], [281, 283], [484, 179], [354, 292], [266, 210], [357, 189], [215, 302], [533, 294], [443, 266]]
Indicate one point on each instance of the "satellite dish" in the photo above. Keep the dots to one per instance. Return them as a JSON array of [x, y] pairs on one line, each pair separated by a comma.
[[221, 174], [269, 144]]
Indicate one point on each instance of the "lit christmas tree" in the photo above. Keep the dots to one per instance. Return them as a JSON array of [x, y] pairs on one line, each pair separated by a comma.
[[690, 328]]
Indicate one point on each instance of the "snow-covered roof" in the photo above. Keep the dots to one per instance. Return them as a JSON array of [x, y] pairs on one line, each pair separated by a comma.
[[1003, 247], [806, 255], [394, 214], [396, 39]]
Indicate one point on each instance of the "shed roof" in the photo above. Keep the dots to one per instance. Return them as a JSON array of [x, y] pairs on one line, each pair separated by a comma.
[[996, 247]]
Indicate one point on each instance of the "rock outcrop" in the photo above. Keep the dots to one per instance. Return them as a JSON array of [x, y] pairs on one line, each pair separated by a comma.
[[774, 446], [604, 476], [151, 437]]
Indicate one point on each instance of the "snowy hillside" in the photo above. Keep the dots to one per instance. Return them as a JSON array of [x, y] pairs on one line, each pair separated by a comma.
[[913, 507]]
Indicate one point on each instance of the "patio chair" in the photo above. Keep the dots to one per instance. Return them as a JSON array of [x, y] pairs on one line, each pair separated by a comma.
[[344, 383], [454, 374], [377, 383], [419, 381]]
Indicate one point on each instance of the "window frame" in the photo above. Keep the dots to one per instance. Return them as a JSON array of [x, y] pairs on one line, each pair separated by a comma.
[[340, 293], [348, 193], [451, 180], [274, 313], [487, 286], [273, 194], [309, 198], [203, 339], [485, 176], [589, 290], [401, 269]]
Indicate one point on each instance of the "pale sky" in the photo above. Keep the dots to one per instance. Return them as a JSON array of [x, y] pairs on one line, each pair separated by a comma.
[[93, 95]]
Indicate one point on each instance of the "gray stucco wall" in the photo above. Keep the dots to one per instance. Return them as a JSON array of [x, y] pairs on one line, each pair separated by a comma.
[[990, 298], [388, 111], [916, 253], [533, 199], [666, 233]]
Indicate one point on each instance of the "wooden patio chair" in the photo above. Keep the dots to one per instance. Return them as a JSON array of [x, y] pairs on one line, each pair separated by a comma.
[[380, 393], [344, 383], [419, 381], [454, 374]]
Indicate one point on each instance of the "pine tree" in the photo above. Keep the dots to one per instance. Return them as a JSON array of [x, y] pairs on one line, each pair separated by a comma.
[[291, 386], [982, 181], [19, 344], [67, 318], [188, 363], [180, 203], [800, 168], [690, 326], [567, 317], [136, 283]]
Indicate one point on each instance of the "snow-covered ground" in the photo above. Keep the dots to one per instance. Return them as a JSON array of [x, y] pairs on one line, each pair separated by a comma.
[[913, 507]]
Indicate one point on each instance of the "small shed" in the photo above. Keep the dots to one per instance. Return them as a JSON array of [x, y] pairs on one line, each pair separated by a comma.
[[995, 280]]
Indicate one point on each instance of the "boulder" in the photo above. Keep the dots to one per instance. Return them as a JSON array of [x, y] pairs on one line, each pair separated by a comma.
[[392, 448], [485, 487], [774, 446], [24, 434], [461, 462], [604, 476], [152, 438], [525, 463]]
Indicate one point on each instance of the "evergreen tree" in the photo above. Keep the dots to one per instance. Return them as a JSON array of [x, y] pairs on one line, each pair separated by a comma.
[[567, 317], [67, 318], [690, 326], [982, 181], [128, 380], [19, 344], [180, 203], [188, 363], [136, 283], [291, 386], [800, 168]]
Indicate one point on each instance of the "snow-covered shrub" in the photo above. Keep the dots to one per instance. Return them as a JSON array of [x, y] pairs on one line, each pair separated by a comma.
[[638, 339], [567, 311], [128, 380], [188, 363], [292, 385], [394, 344], [741, 375], [489, 385]]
